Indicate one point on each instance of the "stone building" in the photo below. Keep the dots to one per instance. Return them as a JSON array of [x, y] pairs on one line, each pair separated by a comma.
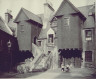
[[67, 24], [8, 43], [29, 26], [88, 35]]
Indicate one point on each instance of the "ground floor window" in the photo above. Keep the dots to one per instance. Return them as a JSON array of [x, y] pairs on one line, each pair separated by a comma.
[[88, 56]]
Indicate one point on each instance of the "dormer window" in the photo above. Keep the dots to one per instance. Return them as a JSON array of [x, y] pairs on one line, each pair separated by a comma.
[[50, 38], [66, 21], [88, 35]]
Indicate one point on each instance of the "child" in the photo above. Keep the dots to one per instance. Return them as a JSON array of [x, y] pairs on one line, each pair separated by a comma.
[[62, 67]]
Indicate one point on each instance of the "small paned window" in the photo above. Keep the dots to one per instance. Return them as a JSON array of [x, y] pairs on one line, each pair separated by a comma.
[[66, 21], [50, 38], [88, 35]]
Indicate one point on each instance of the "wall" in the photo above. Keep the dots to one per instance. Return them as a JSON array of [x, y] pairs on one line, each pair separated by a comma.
[[24, 36], [69, 36]]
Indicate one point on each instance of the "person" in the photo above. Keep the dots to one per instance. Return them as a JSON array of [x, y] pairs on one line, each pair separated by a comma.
[[62, 67], [67, 68]]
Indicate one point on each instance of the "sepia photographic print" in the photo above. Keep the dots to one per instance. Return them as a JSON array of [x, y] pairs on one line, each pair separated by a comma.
[[48, 39]]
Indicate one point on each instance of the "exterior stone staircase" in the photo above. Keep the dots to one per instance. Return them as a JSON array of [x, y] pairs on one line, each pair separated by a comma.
[[41, 61]]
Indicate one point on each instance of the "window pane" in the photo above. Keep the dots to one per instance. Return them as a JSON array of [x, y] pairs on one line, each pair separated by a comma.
[[66, 21], [50, 38], [22, 28], [88, 34]]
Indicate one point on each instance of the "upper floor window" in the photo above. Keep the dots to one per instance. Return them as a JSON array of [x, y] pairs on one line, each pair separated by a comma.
[[50, 38], [88, 35], [22, 28], [0, 45], [66, 21]]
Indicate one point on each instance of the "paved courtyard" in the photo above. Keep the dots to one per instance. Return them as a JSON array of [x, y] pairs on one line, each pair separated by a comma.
[[75, 73]]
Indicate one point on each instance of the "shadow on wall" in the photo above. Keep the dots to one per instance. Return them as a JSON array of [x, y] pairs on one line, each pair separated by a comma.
[[12, 59], [22, 55]]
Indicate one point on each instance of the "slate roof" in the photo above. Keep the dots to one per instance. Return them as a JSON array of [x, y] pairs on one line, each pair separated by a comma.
[[13, 26], [4, 27], [85, 9], [89, 23], [30, 16]]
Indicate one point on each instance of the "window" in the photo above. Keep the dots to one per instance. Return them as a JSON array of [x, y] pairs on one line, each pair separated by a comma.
[[88, 35], [39, 43], [88, 56], [35, 39], [66, 21], [50, 38], [22, 28]]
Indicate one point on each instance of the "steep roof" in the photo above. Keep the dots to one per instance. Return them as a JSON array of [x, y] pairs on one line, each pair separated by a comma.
[[13, 26], [89, 23], [76, 9], [4, 27], [85, 9], [30, 16]]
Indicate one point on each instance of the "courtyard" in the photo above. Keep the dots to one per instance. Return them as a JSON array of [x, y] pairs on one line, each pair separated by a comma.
[[75, 73]]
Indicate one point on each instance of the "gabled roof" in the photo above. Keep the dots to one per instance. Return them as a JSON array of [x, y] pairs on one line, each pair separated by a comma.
[[4, 27], [89, 23], [85, 9], [77, 11], [30, 16]]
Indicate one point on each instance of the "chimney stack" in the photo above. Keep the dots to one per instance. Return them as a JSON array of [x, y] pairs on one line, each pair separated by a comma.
[[8, 16], [48, 11]]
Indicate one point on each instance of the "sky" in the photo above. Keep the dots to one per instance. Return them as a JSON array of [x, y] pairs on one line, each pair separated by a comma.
[[35, 6]]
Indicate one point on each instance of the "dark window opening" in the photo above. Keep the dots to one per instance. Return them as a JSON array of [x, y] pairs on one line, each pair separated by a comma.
[[88, 35], [88, 56], [35, 38], [39, 43], [50, 38]]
